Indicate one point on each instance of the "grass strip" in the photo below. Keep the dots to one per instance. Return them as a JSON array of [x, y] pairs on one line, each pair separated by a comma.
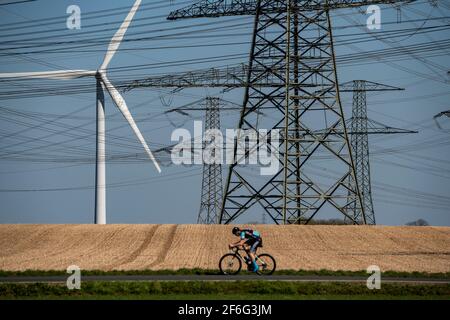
[[173, 289], [362, 273]]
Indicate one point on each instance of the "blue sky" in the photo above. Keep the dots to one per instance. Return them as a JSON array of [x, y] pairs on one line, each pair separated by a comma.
[[47, 144]]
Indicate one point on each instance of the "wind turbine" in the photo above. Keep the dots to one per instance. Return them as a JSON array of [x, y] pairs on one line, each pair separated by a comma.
[[102, 83]]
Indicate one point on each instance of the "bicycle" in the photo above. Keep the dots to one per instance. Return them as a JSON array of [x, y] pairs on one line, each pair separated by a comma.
[[231, 263]]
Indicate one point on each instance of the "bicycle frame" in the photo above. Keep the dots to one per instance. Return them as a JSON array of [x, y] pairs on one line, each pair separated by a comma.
[[236, 251]]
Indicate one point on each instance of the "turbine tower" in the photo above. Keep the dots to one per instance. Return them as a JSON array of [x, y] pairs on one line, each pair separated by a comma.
[[211, 198], [360, 128], [292, 43], [102, 83]]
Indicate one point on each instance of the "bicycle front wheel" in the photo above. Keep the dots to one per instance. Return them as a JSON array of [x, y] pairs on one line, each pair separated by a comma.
[[266, 263], [230, 264]]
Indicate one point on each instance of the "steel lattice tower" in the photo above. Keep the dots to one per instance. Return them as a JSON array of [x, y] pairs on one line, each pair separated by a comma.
[[360, 128], [300, 42], [292, 43], [360, 147], [211, 197]]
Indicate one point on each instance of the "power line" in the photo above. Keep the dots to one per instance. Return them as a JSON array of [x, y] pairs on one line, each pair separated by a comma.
[[16, 2]]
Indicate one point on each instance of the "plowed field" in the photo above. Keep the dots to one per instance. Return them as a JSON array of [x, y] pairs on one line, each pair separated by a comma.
[[138, 247]]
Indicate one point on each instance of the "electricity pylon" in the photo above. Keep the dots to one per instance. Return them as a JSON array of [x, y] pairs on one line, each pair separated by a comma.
[[439, 115], [211, 197], [293, 43], [292, 70], [360, 128], [442, 114]]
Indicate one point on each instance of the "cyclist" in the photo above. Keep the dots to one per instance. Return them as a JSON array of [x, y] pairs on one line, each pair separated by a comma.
[[250, 238]]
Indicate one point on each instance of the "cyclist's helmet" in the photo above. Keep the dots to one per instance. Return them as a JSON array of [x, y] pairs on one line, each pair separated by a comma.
[[236, 231]]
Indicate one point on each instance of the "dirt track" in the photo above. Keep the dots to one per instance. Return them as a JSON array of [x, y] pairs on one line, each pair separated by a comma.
[[136, 247]]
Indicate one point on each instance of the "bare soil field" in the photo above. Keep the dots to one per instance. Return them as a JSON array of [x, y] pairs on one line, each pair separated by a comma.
[[156, 247]]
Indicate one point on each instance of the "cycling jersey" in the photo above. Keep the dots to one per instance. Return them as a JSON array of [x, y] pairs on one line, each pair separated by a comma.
[[253, 237], [250, 234]]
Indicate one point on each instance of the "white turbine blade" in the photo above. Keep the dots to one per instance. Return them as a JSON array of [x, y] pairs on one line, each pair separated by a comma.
[[117, 39], [121, 104], [53, 75]]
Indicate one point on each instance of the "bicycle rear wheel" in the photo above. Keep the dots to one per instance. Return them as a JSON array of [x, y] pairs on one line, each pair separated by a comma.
[[230, 264], [266, 263]]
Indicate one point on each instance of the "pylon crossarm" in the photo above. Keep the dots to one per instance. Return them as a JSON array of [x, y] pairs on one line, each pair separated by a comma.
[[442, 114], [369, 86], [439, 115], [220, 8], [230, 77], [375, 127]]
